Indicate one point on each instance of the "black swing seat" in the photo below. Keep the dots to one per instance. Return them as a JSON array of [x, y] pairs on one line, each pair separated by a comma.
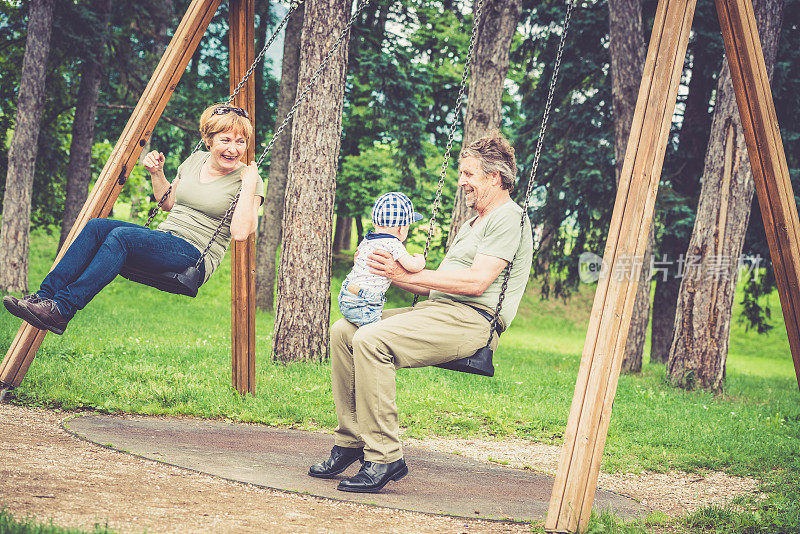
[[185, 283], [479, 363]]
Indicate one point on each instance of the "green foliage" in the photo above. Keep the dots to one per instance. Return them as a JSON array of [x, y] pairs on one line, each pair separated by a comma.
[[365, 176], [758, 283], [406, 62], [576, 165]]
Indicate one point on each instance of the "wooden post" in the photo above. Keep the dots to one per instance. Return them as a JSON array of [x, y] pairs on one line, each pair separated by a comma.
[[243, 258], [587, 427], [119, 165], [767, 158]]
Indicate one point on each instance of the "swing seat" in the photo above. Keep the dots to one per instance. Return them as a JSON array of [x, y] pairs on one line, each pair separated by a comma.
[[185, 283], [479, 363]]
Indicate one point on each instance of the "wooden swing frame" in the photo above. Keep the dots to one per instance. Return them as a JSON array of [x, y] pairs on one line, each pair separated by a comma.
[[587, 427], [190, 31]]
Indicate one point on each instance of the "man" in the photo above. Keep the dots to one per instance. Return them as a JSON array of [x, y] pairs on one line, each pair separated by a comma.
[[452, 324]]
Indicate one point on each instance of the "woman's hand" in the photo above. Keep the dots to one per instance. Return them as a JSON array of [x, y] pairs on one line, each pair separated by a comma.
[[153, 162], [250, 177], [383, 263]]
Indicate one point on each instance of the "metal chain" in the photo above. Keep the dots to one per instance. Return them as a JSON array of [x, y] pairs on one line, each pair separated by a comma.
[[313, 80], [228, 213], [292, 8], [539, 142], [459, 101]]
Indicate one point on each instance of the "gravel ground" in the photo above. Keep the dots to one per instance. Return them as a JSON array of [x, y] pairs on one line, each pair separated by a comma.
[[673, 493], [51, 475]]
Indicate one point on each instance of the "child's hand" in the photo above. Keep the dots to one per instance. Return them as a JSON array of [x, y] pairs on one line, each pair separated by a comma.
[[418, 255]]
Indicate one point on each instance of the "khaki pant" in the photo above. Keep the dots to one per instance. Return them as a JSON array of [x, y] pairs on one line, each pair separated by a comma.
[[364, 361]]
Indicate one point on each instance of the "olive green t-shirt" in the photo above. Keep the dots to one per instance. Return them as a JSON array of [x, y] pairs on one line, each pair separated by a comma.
[[199, 208], [500, 235]]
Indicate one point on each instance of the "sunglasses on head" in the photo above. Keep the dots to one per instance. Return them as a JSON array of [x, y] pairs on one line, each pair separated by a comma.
[[222, 110]]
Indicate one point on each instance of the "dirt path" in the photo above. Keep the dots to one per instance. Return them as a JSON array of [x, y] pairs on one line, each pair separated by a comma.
[[50, 474]]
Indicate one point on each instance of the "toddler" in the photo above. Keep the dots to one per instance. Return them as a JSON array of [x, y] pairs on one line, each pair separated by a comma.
[[362, 295]]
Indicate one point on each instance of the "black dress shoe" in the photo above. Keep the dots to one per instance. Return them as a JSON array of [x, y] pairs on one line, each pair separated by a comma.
[[373, 477], [341, 458]]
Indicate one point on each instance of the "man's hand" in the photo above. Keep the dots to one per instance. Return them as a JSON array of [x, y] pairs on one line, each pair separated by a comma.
[[382, 263]]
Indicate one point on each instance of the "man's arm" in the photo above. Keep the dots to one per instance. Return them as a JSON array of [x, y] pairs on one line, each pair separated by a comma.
[[411, 288], [471, 282]]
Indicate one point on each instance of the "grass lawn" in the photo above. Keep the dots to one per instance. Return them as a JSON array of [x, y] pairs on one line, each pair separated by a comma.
[[134, 349], [11, 525]]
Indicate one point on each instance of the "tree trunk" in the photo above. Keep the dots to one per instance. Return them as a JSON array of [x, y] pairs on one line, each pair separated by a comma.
[[261, 39], [695, 130], [640, 316], [665, 303], [14, 234], [627, 63], [341, 236], [303, 313], [269, 232], [347, 233], [359, 229], [79, 169], [488, 72], [702, 324]]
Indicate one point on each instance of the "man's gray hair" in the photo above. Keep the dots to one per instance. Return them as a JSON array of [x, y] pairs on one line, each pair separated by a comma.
[[495, 154]]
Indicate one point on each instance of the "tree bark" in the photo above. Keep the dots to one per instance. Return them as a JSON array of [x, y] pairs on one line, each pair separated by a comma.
[[14, 235], [488, 72], [702, 324], [303, 313], [269, 232], [79, 168], [627, 51], [694, 133]]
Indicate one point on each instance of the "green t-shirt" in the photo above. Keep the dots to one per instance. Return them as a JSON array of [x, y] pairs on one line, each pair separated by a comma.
[[498, 235], [199, 208]]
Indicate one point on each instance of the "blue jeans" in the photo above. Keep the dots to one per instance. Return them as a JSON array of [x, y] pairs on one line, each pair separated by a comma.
[[98, 254], [361, 309]]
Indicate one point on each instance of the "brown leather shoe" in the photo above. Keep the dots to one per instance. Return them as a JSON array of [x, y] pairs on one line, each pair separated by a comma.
[[12, 304], [45, 313]]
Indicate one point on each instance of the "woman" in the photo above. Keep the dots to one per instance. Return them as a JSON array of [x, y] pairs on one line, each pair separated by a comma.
[[205, 186]]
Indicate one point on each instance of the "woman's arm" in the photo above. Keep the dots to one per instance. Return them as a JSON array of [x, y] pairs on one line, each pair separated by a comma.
[[154, 164], [245, 216]]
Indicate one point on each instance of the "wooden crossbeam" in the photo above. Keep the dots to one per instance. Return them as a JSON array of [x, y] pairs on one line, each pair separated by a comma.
[[119, 165], [243, 258]]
